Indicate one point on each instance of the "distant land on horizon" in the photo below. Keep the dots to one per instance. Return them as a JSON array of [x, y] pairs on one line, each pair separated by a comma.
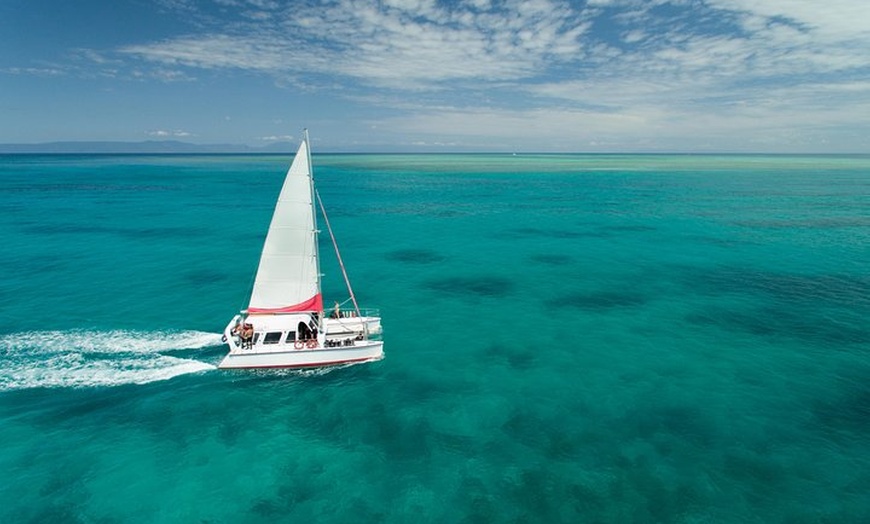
[[146, 147], [169, 147]]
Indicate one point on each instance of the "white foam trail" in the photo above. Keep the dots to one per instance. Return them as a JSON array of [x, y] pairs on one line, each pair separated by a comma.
[[117, 341], [96, 358]]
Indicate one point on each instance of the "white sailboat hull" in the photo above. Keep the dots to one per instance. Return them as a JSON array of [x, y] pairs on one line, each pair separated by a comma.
[[279, 343], [303, 358], [336, 327]]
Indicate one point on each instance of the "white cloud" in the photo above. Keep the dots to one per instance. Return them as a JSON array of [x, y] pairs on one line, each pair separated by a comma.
[[608, 71], [421, 44], [162, 133], [35, 71], [215, 51], [835, 20], [400, 44], [761, 125]]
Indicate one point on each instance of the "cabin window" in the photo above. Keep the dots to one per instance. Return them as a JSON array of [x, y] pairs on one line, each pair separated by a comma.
[[256, 338], [291, 336], [273, 337]]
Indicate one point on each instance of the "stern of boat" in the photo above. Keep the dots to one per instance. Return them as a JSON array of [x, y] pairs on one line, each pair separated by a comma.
[[232, 340]]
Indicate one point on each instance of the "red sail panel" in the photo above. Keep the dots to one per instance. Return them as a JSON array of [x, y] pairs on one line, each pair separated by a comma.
[[314, 303]]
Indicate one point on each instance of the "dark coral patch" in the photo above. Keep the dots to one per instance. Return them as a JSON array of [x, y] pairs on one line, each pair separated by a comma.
[[516, 356], [415, 256], [788, 287], [65, 229], [782, 322], [205, 277], [847, 409], [533, 232], [599, 300], [491, 287], [553, 260], [628, 228], [162, 232]]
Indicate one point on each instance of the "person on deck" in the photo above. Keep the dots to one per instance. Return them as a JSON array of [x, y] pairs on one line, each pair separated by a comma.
[[237, 330], [247, 335]]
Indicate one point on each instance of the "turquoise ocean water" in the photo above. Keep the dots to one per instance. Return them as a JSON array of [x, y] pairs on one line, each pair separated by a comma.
[[569, 338]]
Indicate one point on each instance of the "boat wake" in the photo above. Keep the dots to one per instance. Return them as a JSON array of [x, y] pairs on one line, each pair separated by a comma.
[[49, 359], [302, 372]]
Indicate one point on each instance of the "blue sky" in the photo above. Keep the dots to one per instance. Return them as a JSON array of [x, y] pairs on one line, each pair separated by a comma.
[[428, 75]]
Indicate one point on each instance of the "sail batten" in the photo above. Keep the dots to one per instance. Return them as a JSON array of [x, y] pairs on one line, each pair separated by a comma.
[[288, 277]]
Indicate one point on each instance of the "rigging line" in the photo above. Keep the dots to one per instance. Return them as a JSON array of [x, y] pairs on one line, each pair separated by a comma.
[[345, 301], [337, 254], [340, 304]]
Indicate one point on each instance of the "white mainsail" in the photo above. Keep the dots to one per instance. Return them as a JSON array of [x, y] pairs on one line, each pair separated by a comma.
[[288, 277]]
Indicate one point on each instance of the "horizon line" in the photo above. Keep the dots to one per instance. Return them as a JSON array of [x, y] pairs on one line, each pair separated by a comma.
[[177, 147]]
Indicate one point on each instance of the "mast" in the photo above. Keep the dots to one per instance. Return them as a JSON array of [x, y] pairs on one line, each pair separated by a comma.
[[314, 216]]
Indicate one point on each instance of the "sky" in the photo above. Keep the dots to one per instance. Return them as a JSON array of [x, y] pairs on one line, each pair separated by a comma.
[[756, 76]]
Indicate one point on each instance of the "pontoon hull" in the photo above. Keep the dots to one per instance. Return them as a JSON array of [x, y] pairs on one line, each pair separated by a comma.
[[303, 358]]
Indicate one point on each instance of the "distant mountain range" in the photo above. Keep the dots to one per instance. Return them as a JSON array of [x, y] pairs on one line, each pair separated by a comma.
[[149, 146]]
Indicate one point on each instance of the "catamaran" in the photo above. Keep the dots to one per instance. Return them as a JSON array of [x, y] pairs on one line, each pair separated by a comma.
[[285, 325]]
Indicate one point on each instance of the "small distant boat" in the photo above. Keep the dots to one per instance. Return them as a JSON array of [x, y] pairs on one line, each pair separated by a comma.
[[285, 325]]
